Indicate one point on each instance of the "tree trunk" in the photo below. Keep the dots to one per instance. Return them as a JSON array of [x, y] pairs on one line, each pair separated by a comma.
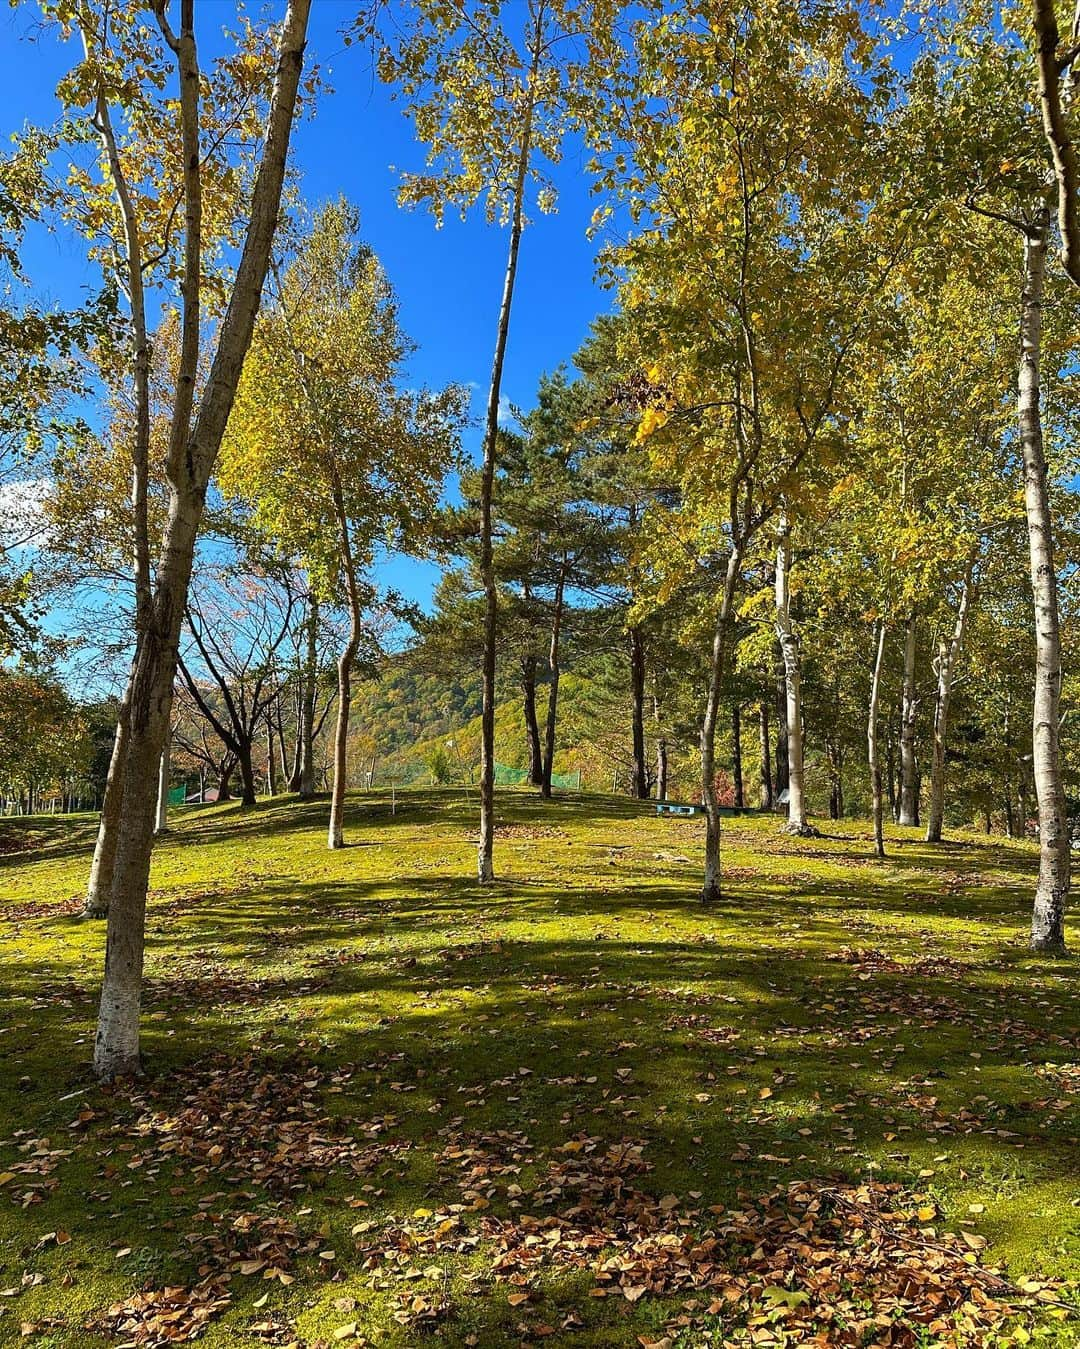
[[766, 763], [736, 755], [99, 888], [948, 655], [780, 758], [553, 685], [532, 726], [909, 772], [836, 787], [661, 769], [161, 822], [192, 451], [1053, 71], [224, 784], [247, 774], [639, 784], [306, 725], [271, 759], [1052, 891], [792, 685], [485, 866], [710, 890], [872, 744], [335, 835]]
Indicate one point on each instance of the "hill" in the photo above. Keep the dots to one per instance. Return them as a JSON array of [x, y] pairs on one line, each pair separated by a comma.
[[385, 1106], [414, 723]]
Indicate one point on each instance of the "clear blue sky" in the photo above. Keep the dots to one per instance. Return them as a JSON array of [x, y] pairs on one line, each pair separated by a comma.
[[448, 280]]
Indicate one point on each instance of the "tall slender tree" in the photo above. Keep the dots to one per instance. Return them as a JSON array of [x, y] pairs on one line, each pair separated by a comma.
[[124, 74], [324, 443], [492, 91]]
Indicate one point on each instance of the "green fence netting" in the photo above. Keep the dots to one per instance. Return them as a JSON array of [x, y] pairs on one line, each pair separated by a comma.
[[177, 796], [519, 777]]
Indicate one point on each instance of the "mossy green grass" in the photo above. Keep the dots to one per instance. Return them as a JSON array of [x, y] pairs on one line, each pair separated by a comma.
[[834, 1016]]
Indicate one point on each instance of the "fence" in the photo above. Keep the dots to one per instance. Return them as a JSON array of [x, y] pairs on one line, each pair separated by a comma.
[[519, 777]]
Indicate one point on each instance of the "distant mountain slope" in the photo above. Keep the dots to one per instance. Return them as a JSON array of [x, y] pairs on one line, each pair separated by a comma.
[[416, 724]]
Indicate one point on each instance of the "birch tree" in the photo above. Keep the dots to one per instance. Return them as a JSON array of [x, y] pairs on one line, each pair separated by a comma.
[[491, 91], [997, 170], [325, 445], [748, 287], [151, 202]]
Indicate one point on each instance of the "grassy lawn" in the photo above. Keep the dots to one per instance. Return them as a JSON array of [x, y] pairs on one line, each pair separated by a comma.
[[385, 1106]]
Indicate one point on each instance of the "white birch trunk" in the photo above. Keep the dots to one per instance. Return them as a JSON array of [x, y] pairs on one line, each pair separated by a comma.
[[161, 822], [872, 755], [789, 650], [945, 666], [711, 887], [485, 866], [909, 773], [150, 688], [1052, 891]]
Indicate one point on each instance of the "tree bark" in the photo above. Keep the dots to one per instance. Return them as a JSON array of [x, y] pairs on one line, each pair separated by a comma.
[[335, 835], [792, 685], [639, 784], [766, 757], [248, 797], [161, 822], [736, 756], [836, 782], [710, 889], [485, 866], [309, 685], [271, 758], [532, 726], [1052, 891], [554, 664], [780, 757], [191, 460], [1052, 70], [909, 773], [945, 665], [99, 888], [873, 759], [102, 868]]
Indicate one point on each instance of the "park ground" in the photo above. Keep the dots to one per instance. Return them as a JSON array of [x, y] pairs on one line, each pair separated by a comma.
[[384, 1106]]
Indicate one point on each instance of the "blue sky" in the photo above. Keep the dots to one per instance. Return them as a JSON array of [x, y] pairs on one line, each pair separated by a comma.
[[448, 280]]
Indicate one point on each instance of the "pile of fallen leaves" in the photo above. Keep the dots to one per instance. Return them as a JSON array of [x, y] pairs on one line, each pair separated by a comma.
[[835, 1265], [870, 960], [30, 909], [200, 981], [166, 1315], [831, 1265], [248, 1120]]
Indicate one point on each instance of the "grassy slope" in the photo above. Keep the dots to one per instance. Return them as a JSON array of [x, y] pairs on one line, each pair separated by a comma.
[[583, 966]]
